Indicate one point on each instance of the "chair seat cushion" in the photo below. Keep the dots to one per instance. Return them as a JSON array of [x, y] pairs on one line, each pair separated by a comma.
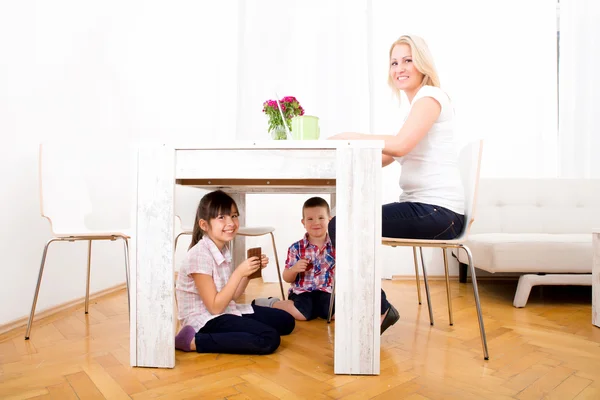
[[93, 234], [530, 252]]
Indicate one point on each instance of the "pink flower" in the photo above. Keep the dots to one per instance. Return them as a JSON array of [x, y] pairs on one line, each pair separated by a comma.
[[290, 107]]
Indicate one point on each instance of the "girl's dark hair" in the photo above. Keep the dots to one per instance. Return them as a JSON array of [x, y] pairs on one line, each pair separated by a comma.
[[210, 206]]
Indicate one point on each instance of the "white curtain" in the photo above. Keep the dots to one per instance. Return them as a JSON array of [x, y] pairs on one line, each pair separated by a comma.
[[498, 64], [497, 61], [178, 67], [313, 50], [579, 63]]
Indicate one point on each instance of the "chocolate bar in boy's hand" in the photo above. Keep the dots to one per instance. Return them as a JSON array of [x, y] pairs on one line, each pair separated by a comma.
[[309, 264], [255, 252]]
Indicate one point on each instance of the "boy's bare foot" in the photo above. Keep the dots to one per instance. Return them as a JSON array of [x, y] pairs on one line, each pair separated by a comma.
[[289, 307]]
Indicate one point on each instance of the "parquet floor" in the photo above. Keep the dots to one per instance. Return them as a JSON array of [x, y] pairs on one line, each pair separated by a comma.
[[549, 350]]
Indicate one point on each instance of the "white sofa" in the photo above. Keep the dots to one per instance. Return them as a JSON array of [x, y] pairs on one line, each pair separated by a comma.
[[537, 227]]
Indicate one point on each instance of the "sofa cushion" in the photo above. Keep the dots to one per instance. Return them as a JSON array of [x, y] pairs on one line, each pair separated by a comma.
[[530, 252], [537, 206]]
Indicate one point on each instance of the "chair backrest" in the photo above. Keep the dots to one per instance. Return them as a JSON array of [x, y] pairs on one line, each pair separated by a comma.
[[64, 198], [470, 165], [186, 204], [536, 205]]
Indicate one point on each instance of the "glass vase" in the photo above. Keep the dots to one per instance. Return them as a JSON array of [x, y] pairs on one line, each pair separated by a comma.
[[278, 133]]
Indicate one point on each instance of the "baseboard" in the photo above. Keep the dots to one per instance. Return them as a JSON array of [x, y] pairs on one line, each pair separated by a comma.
[[9, 328], [490, 277], [429, 277]]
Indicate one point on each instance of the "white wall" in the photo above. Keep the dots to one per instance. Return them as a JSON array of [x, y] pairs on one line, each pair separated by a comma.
[[113, 71]]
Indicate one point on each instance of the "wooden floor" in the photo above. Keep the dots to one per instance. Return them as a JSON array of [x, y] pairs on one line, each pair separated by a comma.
[[549, 349]]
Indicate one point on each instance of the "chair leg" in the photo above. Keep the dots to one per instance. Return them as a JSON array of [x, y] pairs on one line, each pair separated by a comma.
[[37, 287], [175, 283], [277, 263], [331, 300], [87, 285], [426, 287], [126, 248], [417, 274], [477, 303], [448, 286], [177, 239]]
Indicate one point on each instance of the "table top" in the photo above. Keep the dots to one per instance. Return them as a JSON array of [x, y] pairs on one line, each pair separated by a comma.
[[272, 144]]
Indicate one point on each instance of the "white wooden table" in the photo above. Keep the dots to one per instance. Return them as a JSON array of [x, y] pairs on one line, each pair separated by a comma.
[[350, 169], [596, 277]]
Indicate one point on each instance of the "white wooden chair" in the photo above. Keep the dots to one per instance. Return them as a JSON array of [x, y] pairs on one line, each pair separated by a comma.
[[186, 204], [469, 163], [65, 202]]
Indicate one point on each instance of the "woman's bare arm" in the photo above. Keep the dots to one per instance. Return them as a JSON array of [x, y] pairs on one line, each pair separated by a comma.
[[421, 118], [386, 160]]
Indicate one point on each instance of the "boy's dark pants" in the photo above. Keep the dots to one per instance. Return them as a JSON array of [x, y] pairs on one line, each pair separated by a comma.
[[315, 304]]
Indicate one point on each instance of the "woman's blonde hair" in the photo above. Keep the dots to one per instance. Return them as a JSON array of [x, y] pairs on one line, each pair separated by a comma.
[[421, 57]]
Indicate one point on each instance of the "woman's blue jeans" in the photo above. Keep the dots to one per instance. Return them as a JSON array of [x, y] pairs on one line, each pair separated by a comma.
[[414, 221]]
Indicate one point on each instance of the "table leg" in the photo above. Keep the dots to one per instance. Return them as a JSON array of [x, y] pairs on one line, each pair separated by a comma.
[[151, 320], [358, 272], [596, 279], [239, 243], [332, 203]]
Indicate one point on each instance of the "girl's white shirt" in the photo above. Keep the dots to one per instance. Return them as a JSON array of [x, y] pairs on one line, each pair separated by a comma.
[[204, 258]]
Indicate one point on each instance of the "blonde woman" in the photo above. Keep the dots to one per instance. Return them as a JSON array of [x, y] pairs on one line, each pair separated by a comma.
[[431, 205]]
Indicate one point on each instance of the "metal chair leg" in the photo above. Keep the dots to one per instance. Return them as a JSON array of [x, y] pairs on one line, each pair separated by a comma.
[[448, 286], [277, 263], [477, 303], [37, 287], [87, 285], [426, 287], [417, 274], [126, 247], [331, 300], [177, 239]]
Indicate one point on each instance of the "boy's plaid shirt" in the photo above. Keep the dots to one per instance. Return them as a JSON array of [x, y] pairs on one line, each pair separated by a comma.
[[319, 276]]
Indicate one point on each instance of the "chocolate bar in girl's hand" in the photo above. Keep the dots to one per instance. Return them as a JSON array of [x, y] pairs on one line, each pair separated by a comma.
[[255, 252]]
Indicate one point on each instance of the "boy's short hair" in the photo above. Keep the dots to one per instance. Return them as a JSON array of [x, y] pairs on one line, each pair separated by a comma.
[[316, 202]]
